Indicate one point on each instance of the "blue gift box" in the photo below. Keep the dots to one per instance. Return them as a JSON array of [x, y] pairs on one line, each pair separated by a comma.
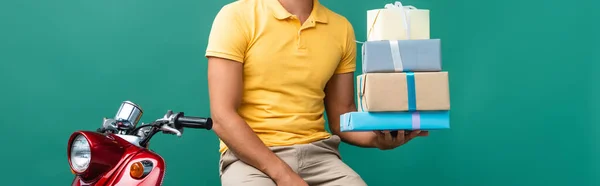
[[369, 121], [422, 55]]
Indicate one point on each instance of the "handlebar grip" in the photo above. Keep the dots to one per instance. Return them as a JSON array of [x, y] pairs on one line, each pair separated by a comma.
[[195, 122]]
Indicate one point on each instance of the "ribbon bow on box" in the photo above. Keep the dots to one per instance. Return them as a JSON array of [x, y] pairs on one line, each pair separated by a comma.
[[397, 4]]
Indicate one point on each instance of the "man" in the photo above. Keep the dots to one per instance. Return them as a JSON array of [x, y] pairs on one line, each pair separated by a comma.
[[274, 67]]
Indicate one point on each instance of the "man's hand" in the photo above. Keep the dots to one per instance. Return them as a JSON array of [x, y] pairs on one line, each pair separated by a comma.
[[339, 99], [289, 179], [385, 140]]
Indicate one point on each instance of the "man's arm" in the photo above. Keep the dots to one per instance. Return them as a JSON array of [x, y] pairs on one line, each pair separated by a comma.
[[227, 44], [339, 99], [339, 94], [225, 91]]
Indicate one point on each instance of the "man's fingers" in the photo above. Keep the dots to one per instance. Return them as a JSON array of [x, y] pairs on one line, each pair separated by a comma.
[[387, 136], [394, 134], [380, 135], [412, 135], [424, 133], [400, 138]]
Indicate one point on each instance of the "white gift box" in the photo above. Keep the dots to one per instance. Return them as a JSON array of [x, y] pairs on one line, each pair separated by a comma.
[[397, 22]]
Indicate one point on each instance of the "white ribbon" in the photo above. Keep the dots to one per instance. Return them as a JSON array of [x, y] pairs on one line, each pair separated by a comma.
[[394, 47], [396, 57], [406, 14]]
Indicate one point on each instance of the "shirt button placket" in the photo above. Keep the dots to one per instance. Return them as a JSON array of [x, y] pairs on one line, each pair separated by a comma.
[[311, 23], [298, 44]]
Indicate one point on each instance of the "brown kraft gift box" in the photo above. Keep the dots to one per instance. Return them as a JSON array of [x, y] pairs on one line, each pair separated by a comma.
[[383, 92]]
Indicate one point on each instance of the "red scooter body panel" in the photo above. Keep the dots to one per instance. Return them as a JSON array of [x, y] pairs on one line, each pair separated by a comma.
[[153, 178], [112, 158]]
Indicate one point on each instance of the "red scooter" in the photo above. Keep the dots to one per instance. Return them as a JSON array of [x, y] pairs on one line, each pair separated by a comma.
[[117, 154]]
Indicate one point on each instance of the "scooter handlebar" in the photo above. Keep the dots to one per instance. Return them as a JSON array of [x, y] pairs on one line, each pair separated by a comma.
[[194, 122]]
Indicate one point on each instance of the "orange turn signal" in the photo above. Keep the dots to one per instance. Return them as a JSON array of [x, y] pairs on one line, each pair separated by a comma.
[[136, 170]]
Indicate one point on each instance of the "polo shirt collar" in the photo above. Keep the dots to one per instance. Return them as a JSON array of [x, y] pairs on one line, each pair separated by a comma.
[[318, 12]]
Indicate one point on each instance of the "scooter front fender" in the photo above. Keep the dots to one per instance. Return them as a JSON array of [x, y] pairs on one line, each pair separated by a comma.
[[155, 168]]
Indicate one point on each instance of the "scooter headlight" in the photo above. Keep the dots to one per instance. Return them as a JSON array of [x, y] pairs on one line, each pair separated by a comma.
[[80, 154]]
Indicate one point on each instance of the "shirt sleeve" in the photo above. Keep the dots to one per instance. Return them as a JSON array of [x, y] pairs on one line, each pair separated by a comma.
[[228, 37], [348, 61]]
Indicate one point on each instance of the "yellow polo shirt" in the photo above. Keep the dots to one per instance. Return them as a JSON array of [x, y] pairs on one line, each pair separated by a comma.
[[286, 65]]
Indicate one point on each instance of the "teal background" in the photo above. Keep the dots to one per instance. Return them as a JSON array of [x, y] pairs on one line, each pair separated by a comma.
[[523, 78]]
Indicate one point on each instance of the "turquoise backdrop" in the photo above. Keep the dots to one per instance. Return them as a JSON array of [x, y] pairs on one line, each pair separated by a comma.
[[523, 77]]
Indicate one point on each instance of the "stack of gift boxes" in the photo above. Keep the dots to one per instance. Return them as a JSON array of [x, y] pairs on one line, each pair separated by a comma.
[[402, 86]]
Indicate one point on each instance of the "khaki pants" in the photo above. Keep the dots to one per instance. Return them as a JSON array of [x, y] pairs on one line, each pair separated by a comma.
[[318, 163]]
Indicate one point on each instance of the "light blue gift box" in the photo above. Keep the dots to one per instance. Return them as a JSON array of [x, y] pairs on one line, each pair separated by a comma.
[[370, 121], [402, 56]]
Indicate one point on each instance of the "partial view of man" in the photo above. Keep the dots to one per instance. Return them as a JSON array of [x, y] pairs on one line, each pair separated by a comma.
[[274, 67]]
